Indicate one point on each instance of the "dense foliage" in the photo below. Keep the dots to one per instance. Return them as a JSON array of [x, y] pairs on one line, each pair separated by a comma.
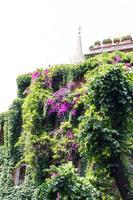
[[70, 121]]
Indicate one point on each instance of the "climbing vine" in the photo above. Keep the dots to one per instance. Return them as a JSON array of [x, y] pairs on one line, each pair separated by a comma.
[[68, 121]]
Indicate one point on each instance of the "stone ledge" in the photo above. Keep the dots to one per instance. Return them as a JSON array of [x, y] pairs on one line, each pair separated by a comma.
[[115, 47]]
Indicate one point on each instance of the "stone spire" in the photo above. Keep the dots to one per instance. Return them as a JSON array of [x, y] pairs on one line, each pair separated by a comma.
[[78, 53]]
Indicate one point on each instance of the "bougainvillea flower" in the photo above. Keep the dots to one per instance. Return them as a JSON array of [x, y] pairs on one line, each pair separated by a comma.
[[75, 99], [70, 134], [61, 93], [74, 146], [50, 102], [57, 106], [69, 157], [52, 110], [64, 108], [74, 112], [46, 71], [71, 85], [35, 75], [117, 59], [54, 107], [54, 174], [58, 196], [47, 82], [128, 64]]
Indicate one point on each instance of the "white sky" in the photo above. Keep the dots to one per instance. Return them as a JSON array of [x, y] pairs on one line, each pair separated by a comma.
[[36, 33]]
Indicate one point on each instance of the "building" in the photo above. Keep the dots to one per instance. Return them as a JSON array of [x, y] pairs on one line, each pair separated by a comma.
[[125, 45]]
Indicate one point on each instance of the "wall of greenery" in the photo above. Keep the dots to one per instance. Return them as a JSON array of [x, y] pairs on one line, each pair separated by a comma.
[[70, 125]]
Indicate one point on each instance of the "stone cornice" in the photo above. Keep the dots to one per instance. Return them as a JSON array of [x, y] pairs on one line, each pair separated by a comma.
[[110, 48]]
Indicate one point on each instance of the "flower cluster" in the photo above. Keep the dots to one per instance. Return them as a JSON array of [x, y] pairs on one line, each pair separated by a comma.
[[58, 196], [128, 64], [70, 134], [59, 105], [117, 59], [47, 83], [64, 107], [54, 174], [73, 146], [73, 150], [61, 93], [35, 75], [74, 112], [47, 79]]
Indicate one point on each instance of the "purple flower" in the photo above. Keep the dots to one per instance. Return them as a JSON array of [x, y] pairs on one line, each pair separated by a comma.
[[61, 93], [54, 174], [71, 85], [50, 102], [57, 106], [54, 108], [74, 146], [75, 99], [64, 91], [47, 81], [69, 157], [46, 71], [64, 108], [74, 112], [128, 64], [58, 196], [117, 58], [70, 134], [35, 75]]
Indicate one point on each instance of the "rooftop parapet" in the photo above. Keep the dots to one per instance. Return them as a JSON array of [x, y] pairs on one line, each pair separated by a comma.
[[125, 45]]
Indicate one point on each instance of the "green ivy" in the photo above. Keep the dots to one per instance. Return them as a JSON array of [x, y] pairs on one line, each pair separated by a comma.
[[23, 82], [66, 184], [100, 131]]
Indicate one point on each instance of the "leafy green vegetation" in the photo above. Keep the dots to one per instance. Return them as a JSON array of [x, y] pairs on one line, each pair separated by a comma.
[[70, 121]]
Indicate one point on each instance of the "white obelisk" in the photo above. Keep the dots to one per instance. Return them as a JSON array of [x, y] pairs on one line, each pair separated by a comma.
[[78, 53]]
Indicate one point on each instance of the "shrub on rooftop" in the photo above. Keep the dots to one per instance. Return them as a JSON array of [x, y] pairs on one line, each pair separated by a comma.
[[126, 38], [116, 40], [107, 41]]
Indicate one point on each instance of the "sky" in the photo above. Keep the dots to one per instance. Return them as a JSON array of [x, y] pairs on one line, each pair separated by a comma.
[[38, 33]]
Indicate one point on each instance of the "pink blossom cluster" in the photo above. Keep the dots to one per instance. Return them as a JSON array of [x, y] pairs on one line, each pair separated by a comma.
[[128, 64], [73, 146], [58, 197], [65, 106], [73, 149], [47, 79], [69, 157], [35, 75], [117, 59], [62, 92], [54, 174], [60, 106], [65, 90], [74, 112], [70, 134]]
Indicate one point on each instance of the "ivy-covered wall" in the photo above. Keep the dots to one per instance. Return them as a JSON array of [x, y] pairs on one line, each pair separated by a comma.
[[69, 126]]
